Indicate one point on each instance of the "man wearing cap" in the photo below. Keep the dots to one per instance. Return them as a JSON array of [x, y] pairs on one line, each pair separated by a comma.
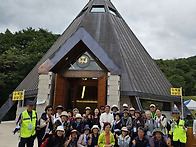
[[153, 110], [28, 122], [106, 117], [178, 130], [125, 106], [59, 110]]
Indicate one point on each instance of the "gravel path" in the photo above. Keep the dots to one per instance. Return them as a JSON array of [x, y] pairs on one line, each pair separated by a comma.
[[7, 139]]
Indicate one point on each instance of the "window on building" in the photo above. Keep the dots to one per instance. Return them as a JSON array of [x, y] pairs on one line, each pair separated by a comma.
[[98, 9], [112, 11]]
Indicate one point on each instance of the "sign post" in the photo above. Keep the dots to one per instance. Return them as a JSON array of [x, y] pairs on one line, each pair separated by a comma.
[[178, 92]]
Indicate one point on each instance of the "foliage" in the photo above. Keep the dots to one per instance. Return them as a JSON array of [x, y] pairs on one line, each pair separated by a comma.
[[19, 52], [181, 73]]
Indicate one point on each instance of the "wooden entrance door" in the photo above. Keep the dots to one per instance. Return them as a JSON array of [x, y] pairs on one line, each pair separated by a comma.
[[63, 97], [101, 91], [60, 91]]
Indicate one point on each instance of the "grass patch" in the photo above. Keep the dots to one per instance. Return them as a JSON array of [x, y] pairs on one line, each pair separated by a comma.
[[189, 97]]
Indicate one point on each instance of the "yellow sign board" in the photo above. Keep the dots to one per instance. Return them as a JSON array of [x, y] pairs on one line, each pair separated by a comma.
[[18, 95], [176, 91]]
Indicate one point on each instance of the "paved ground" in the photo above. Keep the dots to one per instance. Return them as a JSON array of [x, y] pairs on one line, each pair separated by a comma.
[[7, 139]]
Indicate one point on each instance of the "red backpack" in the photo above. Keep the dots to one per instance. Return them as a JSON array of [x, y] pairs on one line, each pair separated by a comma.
[[44, 143]]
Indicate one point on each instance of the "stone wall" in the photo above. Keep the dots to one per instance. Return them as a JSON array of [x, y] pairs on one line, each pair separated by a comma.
[[113, 90], [44, 91]]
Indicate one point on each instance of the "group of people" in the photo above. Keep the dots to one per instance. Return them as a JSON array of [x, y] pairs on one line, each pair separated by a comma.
[[102, 127]]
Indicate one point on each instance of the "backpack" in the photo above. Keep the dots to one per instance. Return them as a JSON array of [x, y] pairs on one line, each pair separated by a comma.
[[44, 143]]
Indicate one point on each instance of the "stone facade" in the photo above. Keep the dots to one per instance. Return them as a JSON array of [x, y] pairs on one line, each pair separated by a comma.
[[113, 90]]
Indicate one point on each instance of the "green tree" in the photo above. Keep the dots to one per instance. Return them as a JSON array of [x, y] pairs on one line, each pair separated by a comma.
[[20, 51]]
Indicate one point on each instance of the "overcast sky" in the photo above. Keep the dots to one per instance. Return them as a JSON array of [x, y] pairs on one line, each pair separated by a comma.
[[166, 28]]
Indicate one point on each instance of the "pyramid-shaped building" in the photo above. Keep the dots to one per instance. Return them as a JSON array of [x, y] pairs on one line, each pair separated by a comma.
[[96, 61]]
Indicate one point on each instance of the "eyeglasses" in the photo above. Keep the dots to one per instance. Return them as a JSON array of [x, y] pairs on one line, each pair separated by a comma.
[[49, 110]]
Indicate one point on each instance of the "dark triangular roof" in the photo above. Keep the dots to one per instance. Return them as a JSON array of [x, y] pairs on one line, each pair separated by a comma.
[[140, 76]]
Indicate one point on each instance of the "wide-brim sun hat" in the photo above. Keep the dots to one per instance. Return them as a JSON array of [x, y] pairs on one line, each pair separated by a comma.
[[60, 128], [31, 103], [157, 130], [64, 113], [132, 109], [125, 111], [78, 116], [95, 127], [59, 107], [86, 127], [125, 105], [175, 111], [114, 106], [87, 108], [152, 105], [74, 131], [137, 111], [124, 129]]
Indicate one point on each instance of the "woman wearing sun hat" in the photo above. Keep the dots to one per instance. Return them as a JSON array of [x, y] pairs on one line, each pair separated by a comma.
[[63, 121], [93, 141], [77, 124], [124, 139], [57, 140], [72, 140], [84, 138], [158, 139]]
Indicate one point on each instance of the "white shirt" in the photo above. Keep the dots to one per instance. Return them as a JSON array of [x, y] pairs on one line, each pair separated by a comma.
[[106, 118], [56, 117]]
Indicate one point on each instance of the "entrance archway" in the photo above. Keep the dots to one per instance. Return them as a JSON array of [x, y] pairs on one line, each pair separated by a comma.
[[80, 92]]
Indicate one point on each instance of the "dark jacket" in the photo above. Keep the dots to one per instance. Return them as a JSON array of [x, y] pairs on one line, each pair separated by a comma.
[[127, 122], [142, 143], [79, 127], [136, 126], [116, 129], [55, 141], [95, 121]]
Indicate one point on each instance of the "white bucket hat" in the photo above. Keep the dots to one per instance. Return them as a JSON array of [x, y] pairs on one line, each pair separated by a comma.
[[60, 128], [124, 129], [64, 113], [78, 116], [95, 127], [125, 105]]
